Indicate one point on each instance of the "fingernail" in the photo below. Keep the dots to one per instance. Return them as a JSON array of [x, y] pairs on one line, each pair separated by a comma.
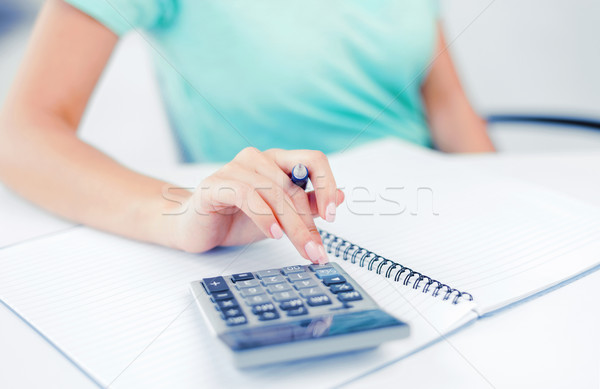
[[312, 250], [323, 255], [330, 213], [276, 231]]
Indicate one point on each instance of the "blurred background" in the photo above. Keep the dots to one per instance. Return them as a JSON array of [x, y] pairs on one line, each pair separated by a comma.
[[16, 19], [515, 57]]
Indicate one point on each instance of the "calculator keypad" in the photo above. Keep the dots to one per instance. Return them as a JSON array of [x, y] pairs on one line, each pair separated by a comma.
[[349, 296], [330, 280], [269, 295], [226, 295], [320, 273], [297, 311], [268, 273], [308, 292], [292, 270], [232, 312], [299, 276], [261, 308], [247, 283], [255, 290], [345, 287], [237, 320], [270, 315], [291, 304], [224, 304], [272, 280], [278, 288], [305, 284], [242, 277], [284, 296], [255, 300], [216, 284], [314, 301]]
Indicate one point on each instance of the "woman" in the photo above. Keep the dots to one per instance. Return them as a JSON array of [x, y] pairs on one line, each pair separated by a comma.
[[237, 77]]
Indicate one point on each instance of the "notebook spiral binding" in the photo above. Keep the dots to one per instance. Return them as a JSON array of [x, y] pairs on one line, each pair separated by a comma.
[[348, 251]]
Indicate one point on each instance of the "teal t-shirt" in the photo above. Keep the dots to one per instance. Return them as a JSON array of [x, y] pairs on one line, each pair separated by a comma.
[[314, 74]]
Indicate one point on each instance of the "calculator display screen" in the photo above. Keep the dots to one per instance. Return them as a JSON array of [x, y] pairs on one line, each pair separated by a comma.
[[318, 327]]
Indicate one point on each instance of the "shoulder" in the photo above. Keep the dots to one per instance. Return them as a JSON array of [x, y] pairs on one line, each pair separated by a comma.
[[121, 16]]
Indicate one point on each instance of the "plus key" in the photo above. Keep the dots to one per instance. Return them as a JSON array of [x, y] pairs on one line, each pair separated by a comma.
[[215, 284]]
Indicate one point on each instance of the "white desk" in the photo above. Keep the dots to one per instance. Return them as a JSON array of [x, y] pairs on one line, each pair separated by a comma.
[[28, 361], [551, 341]]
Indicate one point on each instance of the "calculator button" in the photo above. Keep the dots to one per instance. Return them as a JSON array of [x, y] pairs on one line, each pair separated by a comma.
[[329, 280], [268, 273], [270, 315], [349, 296], [297, 311], [272, 280], [305, 284], [224, 304], [232, 312], [258, 309], [326, 272], [242, 277], [258, 299], [311, 292], [317, 267], [278, 288], [336, 288], [246, 284], [235, 321], [291, 304], [314, 301], [215, 284], [218, 296], [284, 296], [247, 292], [293, 269], [299, 276]]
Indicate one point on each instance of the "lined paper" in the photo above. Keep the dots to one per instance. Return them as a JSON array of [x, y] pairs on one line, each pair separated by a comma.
[[497, 238], [122, 311]]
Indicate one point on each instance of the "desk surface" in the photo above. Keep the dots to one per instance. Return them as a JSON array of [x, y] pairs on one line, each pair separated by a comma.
[[551, 341]]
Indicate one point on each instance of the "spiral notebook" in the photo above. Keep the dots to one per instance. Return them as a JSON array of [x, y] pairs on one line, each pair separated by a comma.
[[438, 258]]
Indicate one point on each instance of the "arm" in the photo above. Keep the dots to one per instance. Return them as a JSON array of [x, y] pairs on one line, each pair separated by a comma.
[[40, 155], [455, 127], [42, 159]]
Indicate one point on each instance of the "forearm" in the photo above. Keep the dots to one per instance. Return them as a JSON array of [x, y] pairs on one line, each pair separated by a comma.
[[456, 128], [42, 159]]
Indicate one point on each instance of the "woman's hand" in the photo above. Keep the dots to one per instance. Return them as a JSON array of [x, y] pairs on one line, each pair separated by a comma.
[[252, 197]]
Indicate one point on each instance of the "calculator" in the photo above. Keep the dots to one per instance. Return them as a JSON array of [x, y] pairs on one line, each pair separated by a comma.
[[295, 312]]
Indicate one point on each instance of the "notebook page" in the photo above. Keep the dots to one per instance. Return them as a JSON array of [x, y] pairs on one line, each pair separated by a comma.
[[497, 238], [103, 300], [571, 173]]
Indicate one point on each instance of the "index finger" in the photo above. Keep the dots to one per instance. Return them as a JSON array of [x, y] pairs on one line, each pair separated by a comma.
[[319, 172]]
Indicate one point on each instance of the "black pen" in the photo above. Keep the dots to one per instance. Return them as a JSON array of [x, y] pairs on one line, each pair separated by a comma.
[[299, 175]]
